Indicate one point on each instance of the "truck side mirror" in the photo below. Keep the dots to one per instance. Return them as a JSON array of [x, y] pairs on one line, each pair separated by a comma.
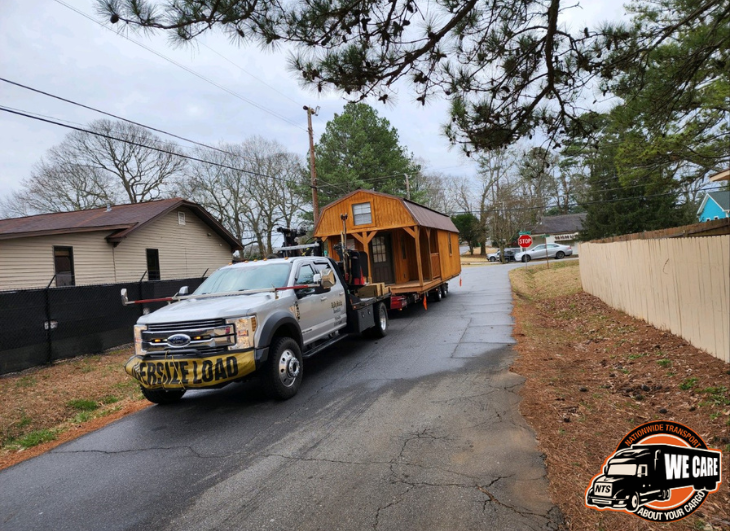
[[183, 291], [327, 278]]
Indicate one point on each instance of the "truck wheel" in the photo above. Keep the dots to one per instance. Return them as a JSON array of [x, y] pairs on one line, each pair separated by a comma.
[[162, 396], [444, 290], [436, 295], [632, 504], [282, 374], [381, 322]]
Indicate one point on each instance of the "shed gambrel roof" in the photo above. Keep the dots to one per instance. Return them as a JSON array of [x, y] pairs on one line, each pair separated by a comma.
[[121, 220], [422, 215]]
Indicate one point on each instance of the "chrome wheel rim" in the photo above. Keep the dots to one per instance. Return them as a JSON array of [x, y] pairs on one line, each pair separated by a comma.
[[289, 368], [383, 315]]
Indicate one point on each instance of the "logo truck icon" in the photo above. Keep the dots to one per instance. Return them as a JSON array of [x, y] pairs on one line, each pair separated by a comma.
[[648, 472]]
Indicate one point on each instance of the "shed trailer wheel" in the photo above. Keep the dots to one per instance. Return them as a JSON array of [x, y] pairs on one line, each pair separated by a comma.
[[435, 294], [444, 290], [381, 322], [163, 396]]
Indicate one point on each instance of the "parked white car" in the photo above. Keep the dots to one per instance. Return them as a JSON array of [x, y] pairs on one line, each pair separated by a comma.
[[551, 250]]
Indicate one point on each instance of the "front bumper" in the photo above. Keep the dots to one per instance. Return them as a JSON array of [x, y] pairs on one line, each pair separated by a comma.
[[598, 501], [188, 371]]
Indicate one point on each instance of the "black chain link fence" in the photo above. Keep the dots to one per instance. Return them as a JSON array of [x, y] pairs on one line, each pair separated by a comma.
[[38, 326]]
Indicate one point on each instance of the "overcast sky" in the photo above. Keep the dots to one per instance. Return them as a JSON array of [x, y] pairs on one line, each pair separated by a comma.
[[47, 46]]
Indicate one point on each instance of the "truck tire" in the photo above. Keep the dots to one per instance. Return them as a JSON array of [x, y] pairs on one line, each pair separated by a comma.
[[162, 396], [282, 373], [381, 322], [435, 295], [632, 504], [444, 290]]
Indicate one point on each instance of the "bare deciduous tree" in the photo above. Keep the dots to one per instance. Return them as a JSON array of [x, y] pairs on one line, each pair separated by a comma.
[[116, 162], [253, 195]]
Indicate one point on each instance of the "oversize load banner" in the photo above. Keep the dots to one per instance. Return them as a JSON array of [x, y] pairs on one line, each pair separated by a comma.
[[192, 372]]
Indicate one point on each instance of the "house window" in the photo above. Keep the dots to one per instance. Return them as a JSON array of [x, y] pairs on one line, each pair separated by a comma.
[[153, 264], [181, 218], [362, 214], [63, 259]]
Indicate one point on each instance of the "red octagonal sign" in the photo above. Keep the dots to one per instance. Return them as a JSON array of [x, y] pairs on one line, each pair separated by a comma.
[[524, 241]]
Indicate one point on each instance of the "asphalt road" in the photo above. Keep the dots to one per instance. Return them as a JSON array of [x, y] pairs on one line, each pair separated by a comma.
[[419, 430]]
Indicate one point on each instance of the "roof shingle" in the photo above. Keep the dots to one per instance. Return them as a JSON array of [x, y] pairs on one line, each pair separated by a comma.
[[122, 219]]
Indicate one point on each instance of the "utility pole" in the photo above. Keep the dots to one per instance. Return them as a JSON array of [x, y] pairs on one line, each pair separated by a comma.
[[408, 187], [315, 196]]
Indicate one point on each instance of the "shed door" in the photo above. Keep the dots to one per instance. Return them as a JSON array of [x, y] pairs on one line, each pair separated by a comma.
[[381, 257]]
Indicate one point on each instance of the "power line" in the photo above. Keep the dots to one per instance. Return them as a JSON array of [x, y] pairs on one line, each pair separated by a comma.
[[108, 114], [130, 142], [617, 200], [189, 70], [247, 72]]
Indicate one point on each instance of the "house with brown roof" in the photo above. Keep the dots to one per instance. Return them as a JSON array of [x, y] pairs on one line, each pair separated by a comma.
[[158, 240]]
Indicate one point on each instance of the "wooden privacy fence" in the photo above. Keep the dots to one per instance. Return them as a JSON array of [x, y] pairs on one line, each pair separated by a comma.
[[678, 284]]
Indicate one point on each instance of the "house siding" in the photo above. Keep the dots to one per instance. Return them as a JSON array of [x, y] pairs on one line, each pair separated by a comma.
[[185, 251], [712, 209], [28, 262]]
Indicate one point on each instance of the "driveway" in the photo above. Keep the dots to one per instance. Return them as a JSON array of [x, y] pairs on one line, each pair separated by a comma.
[[419, 430]]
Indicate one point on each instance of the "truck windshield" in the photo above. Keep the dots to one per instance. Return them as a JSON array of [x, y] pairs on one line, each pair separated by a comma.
[[241, 278], [623, 469]]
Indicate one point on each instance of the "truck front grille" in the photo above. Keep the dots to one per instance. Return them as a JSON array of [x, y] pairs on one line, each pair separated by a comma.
[[182, 326], [204, 337]]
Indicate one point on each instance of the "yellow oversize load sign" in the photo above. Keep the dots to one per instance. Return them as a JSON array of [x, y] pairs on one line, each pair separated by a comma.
[[187, 373]]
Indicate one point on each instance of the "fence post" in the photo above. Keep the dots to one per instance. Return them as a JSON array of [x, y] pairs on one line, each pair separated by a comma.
[[48, 324]]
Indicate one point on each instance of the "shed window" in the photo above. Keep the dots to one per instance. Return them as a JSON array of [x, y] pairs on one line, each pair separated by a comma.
[[181, 218], [362, 214], [63, 260], [450, 252], [153, 264]]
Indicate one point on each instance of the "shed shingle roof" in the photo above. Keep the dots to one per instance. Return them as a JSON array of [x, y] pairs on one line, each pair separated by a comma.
[[121, 219]]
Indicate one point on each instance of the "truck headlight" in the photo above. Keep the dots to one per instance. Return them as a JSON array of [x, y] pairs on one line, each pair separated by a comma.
[[138, 348], [245, 328]]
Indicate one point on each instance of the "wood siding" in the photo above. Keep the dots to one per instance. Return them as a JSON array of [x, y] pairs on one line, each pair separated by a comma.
[[387, 213], [185, 251], [680, 284], [390, 215]]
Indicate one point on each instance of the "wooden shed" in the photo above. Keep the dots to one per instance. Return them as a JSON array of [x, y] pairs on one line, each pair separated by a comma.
[[410, 247]]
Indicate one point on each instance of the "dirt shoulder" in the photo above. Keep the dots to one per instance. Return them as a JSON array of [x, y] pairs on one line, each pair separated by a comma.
[[594, 373], [47, 406]]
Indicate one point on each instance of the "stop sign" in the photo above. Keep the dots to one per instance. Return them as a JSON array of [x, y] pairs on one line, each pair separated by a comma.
[[524, 241]]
